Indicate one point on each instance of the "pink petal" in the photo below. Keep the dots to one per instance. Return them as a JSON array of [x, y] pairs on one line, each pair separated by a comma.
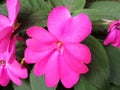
[[11, 49], [41, 40], [13, 7], [40, 65], [34, 57], [15, 79], [110, 38], [4, 78], [12, 45], [68, 77], [5, 38], [77, 29], [116, 41], [51, 70], [57, 20], [40, 46], [6, 32], [15, 66], [4, 22], [78, 51], [77, 67], [39, 33]]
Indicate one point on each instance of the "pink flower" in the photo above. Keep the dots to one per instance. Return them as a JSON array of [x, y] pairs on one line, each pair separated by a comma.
[[58, 54], [113, 37], [10, 69], [13, 7]]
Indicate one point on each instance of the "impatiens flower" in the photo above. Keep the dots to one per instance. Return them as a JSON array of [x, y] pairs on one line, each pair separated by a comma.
[[57, 52], [113, 37], [13, 7], [10, 69]]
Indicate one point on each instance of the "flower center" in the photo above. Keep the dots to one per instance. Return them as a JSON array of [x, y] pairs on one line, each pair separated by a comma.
[[2, 62], [59, 45], [118, 26], [16, 25]]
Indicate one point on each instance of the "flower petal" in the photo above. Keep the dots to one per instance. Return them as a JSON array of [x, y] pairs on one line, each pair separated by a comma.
[[15, 79], [4, 22], [40, 46], [40, 65], [41, 39], [110, 38], [34, 57], [51, 70], [39, 33], [5, 38], [77, 67], [21, 71], [79, 51], [77, 29], [13, 7], [116, 41], [4, 78], [57, 20], [67, 76]]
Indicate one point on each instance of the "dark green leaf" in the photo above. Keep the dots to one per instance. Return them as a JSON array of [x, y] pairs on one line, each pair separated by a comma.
[[110, 8], [38, 83], [3, 9], [39, 4], [33, 12], [71, 4], [84, 84], [99, 67], [20, 47], [114, 87], [114, 60], [25, 86]]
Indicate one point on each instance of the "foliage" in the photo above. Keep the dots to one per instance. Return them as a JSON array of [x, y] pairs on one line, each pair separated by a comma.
[[103, 70]]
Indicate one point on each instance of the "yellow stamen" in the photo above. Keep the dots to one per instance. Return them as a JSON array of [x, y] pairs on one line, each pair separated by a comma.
[[3, 62], [22, 61]]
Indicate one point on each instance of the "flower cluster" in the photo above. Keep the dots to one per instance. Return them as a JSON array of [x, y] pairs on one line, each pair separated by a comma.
[[58, 53], [10, 69]]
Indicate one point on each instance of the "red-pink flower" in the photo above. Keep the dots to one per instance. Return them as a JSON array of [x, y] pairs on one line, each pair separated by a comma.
[[13, 7], [10, 69], [57, 53], [113, 37]]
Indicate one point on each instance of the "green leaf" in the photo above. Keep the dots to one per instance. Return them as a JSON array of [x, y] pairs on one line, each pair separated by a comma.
[[37, 18], [84, 84], [25, 86], [71, 4], [33, 12], [38, 83], [3, 9], [110, 8], [40, 4], [113, 87], [99, 67], [114, 60]]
